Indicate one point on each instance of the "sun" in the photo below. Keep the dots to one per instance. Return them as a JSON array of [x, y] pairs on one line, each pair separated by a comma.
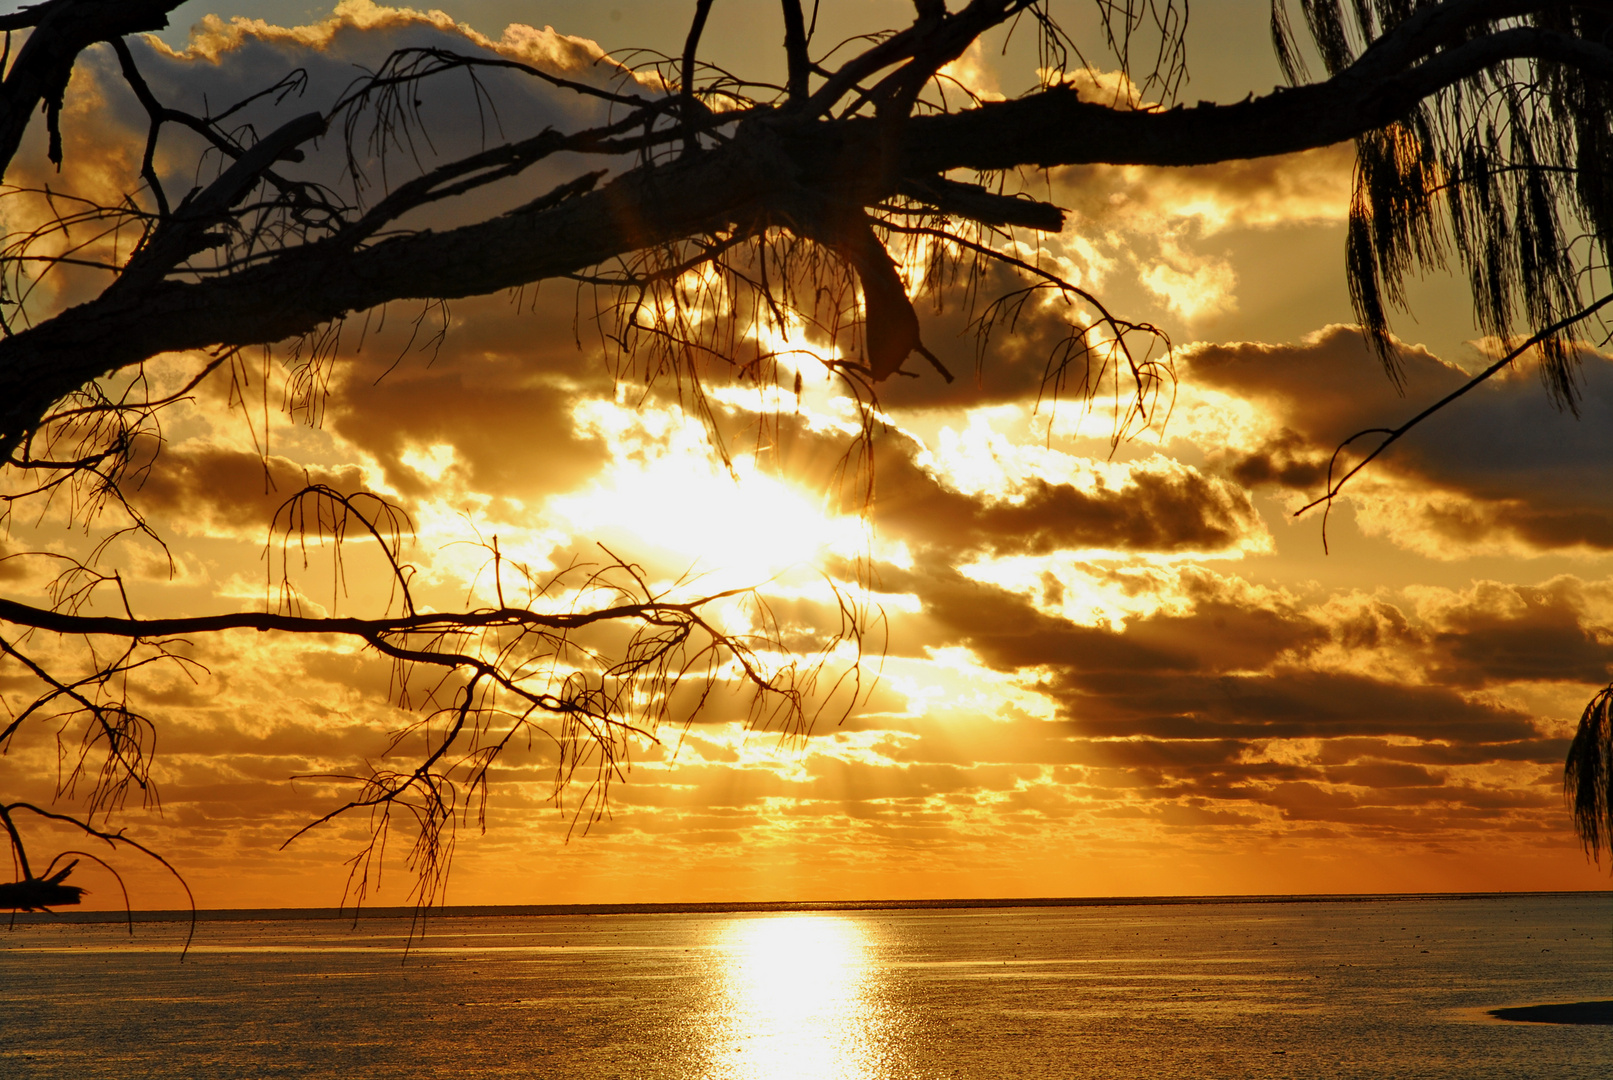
[[667, 502]]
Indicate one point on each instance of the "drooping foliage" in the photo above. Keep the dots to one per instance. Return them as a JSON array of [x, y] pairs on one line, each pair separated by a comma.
[[1506, 168], [1588, 774]]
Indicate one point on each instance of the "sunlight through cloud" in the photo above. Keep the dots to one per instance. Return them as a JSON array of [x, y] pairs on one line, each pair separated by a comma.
[[663, 495]]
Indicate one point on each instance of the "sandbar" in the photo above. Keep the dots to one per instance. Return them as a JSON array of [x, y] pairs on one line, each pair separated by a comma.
[[1577, 1012]]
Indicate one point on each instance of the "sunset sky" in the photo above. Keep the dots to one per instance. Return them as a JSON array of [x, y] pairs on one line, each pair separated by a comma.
[[1102, 668]]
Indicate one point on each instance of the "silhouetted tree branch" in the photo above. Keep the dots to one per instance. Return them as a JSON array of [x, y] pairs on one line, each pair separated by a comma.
[[776, 166]]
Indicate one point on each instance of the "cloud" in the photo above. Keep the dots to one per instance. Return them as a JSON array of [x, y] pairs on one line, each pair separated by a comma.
[[1152, 506], [1327, 387], [212, 490], [452, 114], [1493, 632], [1304, 188], [1500, 470], [971, 76], [501, 401], [13, 569], [1191, 286], [1238, 694], [1168, 237], [1290, 704], [357, 25]]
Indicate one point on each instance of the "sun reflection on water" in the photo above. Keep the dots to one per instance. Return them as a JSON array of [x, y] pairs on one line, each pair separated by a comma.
[[797, 1001]]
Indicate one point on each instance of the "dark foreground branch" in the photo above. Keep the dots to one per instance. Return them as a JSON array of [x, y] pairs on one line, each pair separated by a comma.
[[757, 178], [433, 622], [58, 31]]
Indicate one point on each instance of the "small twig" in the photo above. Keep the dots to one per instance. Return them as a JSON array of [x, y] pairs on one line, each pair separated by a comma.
[[1394, 435]]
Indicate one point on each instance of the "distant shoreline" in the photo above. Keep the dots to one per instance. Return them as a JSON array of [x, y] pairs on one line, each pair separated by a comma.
[[464, 911]]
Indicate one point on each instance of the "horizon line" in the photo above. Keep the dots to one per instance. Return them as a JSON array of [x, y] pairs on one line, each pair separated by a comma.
[[723, 907]]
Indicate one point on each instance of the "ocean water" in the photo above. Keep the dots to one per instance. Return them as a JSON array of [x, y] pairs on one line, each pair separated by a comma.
[[1371, 989]]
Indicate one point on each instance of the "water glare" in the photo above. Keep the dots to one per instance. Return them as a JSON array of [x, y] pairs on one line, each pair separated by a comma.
[[797, 1000], [1332, 990]]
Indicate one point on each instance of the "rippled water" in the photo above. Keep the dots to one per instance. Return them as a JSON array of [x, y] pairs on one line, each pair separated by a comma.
[[1364, 989]]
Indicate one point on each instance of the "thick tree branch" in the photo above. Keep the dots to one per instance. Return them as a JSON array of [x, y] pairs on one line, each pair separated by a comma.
[[1056, 128], [799, 64], [976, 203], [177, 238], [61, 30], [691, 142], [748, 183]]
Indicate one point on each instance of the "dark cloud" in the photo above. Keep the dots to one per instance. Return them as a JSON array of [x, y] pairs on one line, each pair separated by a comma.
[[12, 565], [1543, 528], [1220, 703], [1166, 509], [1287, 459], [1326, 388], [455, 117], [1508, 462], [1513, 632], [1009, 633], [1383, 774], [512, 432], [1279, 704], [278, 752], [1538, 751], [210, 487], [1006, 630], [1411, 809]]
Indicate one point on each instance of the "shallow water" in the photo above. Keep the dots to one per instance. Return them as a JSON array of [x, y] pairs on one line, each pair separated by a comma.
[[1350, 989]]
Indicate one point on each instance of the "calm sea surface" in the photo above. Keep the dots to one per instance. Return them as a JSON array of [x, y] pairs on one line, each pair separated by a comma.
[[1366, 989]]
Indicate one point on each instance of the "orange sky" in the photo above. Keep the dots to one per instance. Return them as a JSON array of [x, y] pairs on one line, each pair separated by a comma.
[[1101, 669]]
